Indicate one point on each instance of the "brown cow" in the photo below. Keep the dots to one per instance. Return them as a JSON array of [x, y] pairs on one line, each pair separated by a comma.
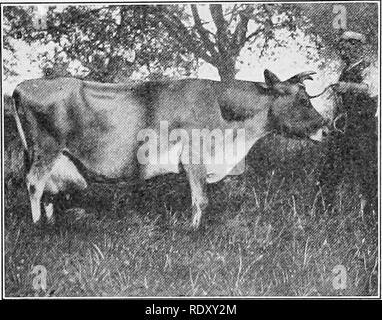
[[77, 130]]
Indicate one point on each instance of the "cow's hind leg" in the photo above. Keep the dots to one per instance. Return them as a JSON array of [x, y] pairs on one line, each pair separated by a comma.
[[64, 173], [196, 175], [36, 185], [51, 177]]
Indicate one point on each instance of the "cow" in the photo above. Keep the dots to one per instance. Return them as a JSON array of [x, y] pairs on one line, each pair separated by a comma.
[[76, 132]]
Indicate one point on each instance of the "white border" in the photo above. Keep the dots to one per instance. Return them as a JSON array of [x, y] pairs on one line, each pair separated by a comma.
[[217, 298]]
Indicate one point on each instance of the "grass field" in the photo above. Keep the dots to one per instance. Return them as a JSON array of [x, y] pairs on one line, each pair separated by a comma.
[[264, 235]]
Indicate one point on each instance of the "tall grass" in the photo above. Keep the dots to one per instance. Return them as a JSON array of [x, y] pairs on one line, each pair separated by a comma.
[[264, 235]]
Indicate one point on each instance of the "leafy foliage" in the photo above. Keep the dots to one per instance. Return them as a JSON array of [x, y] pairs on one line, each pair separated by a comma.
[[115, 40], [111, 42], [360, 17]]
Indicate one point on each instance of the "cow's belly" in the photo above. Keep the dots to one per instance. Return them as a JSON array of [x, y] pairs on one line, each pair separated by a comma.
[[216, 173], [167, 162], [111, 151]]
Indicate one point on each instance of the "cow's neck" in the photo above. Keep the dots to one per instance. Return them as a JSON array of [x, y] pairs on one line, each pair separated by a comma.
[[255, 127]]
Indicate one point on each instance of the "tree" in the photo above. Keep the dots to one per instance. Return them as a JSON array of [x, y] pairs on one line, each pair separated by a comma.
[[221, 43], [113, 41], [110, 40], [18, 21], [326, 21]]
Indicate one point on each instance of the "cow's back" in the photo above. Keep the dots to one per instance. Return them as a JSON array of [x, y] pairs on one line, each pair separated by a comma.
[[97, 123]]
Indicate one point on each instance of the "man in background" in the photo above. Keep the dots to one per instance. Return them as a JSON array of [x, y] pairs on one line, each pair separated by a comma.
[[353, 144]]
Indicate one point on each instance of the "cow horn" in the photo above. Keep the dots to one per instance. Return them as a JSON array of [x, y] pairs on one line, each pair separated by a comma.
[[299, 78]]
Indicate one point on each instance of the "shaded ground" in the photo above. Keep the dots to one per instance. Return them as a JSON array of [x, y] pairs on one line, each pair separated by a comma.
[[263, 235]]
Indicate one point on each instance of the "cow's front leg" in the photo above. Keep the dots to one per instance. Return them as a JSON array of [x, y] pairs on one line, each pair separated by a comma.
[[196, 175]]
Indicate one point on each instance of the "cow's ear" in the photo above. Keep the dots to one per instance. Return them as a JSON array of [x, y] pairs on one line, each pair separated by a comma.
[[270, 78]]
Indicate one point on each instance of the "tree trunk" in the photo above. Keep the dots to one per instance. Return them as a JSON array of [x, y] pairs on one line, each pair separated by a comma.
[[226, 69]]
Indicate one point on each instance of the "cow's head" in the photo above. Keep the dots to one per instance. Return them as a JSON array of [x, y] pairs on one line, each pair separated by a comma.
[[291, 112]]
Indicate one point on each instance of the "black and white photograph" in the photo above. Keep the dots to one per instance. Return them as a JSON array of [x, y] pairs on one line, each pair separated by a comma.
[[169, 150]]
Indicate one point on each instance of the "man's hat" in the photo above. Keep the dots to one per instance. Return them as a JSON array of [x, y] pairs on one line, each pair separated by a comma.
[[351, 35]]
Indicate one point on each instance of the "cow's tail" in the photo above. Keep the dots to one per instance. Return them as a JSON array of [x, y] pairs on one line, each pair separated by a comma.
[[28, 158], [15, 103]]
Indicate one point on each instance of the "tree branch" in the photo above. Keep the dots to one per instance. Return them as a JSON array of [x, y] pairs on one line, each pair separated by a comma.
[[204, 33], [254, 34], [184, 37], [222, 32], [239, 35], [232, 13]]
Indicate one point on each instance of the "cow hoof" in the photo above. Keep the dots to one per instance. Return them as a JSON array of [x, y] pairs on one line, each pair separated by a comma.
[[37, 228], [37, 224], [51, 221], [195, 223]]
